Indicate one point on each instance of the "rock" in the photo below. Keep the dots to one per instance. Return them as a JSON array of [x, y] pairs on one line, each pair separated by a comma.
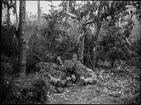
[[63, 83], [75, 69], [88, 81], [73, 77], [54, 81], [59, 90], [82, 70], [68, 78], [30, 94]]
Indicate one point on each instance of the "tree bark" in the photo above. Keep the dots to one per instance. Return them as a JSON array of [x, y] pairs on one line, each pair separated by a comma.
[[38, 17], [17, 20], [68, 2], [1, 12], [81, 48], [95, 39], [8, 16], [74, 2], [22, 40]]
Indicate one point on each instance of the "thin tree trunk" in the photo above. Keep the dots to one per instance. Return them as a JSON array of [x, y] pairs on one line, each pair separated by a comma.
[[8, 16], [17, 20], [22, 41], [68, 6], [1, 12], [74, 2], [38, 17], [95, 39], [81, 43], [81, 48]]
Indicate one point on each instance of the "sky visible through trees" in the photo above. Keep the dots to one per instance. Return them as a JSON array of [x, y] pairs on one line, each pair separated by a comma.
[[31, 7]]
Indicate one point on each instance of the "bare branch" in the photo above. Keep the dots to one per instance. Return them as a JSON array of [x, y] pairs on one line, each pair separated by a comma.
[[70, 14]]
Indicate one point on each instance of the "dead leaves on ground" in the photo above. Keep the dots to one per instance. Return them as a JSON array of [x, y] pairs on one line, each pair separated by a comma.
[[113, 89]]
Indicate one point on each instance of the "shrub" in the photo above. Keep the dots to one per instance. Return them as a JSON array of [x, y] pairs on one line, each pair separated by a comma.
[[29, 89], [113, 47]]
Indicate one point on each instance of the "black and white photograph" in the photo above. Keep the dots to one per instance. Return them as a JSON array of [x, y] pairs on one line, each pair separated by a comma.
[[70, 52]]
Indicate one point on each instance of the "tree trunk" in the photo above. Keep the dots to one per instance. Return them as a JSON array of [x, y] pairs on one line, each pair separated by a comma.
[[95, 39], [8, 16], [22, 41], [74, 2], [81, 48], [68, 2], [17, 20], [38, 17], [1, 12]]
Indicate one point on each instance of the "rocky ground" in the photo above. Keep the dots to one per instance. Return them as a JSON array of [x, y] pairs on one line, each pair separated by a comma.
[[117, 85]]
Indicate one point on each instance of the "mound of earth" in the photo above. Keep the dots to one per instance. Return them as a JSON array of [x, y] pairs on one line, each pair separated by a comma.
[[70, 68]]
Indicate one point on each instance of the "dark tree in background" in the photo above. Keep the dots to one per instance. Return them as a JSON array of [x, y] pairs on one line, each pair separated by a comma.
[[22, 40]]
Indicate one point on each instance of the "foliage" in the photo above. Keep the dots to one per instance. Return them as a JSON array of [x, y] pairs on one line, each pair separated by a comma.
[[136, 58], [9, 5], [29, 89], [113, 46], [6, 75], [57, 39], [35, 53]]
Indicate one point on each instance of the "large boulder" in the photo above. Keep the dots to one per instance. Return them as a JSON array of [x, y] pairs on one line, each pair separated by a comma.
[[79, 70], [83, 70]]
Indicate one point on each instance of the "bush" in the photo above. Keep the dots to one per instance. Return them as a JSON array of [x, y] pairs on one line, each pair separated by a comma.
[[135, 61], [46, 48], [29, 89], [6, 75], [113, 47]]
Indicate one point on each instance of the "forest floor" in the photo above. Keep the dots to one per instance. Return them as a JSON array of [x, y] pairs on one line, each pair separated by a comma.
[[113, 88]]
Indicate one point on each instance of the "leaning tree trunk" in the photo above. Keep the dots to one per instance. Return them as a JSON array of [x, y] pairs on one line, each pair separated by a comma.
[[22, 40], [95, 39]]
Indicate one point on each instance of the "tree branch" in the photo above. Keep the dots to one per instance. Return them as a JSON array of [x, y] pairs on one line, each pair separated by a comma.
[[70, 14]]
